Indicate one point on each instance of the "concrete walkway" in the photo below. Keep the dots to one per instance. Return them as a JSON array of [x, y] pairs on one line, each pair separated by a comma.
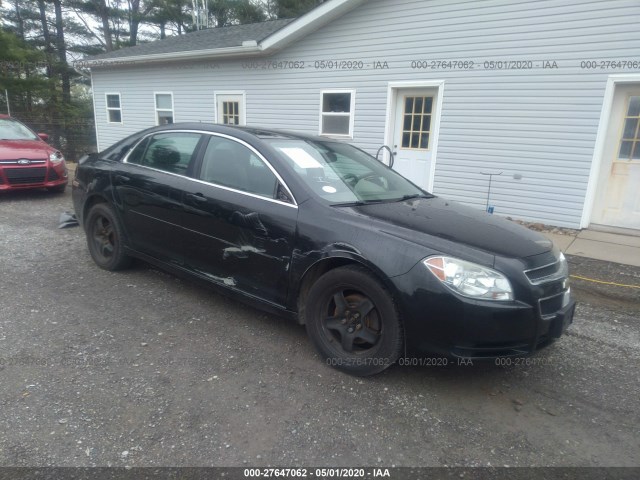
[[610, 247]]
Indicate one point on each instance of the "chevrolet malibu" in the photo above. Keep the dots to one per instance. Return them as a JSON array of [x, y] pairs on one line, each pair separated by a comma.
[[27, 161], [377, 269]]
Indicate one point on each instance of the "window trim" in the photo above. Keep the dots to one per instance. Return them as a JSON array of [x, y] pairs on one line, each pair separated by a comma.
[[156, 109], [243, 113], [351, 114], [109, 109], [216, 134]]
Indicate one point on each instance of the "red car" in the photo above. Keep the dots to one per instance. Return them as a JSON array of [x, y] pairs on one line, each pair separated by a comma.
[[27, 161]]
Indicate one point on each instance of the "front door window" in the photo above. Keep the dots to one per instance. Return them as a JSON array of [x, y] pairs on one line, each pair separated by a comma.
[[230, 109], [416, 124]]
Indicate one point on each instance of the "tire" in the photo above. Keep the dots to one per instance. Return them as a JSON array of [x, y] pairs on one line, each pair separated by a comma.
[[106, 239], [353, 322], [57, 188]]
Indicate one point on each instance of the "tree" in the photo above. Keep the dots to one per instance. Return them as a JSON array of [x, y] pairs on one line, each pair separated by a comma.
[[170, 14], [294, 8], [18, 72], [37, 74]]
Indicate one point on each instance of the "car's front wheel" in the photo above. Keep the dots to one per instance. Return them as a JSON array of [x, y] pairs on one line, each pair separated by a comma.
[[105, 238], [353, 322]]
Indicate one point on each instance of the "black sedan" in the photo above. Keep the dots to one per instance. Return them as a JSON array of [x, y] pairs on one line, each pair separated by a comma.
[[376, 268]]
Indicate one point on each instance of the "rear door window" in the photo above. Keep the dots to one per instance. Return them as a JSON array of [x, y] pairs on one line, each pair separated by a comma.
[[170, 152]]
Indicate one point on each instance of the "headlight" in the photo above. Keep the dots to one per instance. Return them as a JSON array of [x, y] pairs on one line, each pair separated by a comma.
[[470, 279], [563, 261], [56, 157]]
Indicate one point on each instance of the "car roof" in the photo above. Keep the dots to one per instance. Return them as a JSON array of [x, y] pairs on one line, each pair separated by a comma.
[[259, 132]]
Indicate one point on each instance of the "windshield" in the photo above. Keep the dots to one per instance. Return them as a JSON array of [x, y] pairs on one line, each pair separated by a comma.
[[343, 174], [12, 130]]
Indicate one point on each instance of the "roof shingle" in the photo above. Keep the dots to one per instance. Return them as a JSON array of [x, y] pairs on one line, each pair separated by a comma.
[[211, 38]]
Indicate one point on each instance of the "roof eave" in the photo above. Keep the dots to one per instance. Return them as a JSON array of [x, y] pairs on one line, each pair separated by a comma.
[[250, 48], [308, 23]]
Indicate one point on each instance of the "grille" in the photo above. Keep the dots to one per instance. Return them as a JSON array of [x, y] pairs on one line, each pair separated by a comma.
[[537, 274], [24, 176], [17, 162], [53, 175], [551, 305], [540, 274]]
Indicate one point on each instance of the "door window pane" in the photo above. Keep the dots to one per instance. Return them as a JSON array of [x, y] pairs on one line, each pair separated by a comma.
[[634, 106], [137, 153], [230, 113], [233, 165], [630, 140], [417, 122], [171, 152]]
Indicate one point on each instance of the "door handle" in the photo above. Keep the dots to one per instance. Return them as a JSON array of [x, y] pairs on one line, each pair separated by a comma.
[[122, 179], [198, 197]]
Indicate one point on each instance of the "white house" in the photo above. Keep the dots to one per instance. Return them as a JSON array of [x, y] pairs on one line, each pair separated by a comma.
[[545, 92]]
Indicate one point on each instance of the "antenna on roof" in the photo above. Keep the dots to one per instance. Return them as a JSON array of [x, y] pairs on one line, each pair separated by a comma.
[[200, 14]]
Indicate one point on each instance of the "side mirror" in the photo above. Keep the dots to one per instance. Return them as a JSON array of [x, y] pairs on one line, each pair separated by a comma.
[[44, 137]]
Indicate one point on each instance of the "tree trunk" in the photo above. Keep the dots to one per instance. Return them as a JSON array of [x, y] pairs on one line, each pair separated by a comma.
[[20, 21], [66, 81], [53, 100], [134, 21], [103, 12], [62, 54]]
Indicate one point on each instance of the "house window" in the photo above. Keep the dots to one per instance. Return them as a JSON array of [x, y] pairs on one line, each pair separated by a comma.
[[114, 109], [630, 141], [336, 115], [416, 125], [164, 108]]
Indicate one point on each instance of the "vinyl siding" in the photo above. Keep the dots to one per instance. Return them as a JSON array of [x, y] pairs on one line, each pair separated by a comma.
[[538, 123]]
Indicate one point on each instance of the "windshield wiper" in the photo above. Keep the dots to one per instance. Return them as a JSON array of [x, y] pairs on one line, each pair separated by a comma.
[[414, 195], [358, 203]]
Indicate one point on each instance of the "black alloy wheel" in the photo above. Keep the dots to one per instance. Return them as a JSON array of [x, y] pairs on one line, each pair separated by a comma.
[[105, 239], [353, 322]]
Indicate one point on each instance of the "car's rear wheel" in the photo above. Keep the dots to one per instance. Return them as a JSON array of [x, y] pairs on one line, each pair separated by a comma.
[[353, 322], [105, 239]]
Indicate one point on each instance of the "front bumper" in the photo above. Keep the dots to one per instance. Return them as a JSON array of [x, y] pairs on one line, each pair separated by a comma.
[[34, 176], [437, 320]]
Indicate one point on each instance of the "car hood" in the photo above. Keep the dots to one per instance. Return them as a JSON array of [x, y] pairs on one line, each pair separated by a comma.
[[30, 149], [437, 217]]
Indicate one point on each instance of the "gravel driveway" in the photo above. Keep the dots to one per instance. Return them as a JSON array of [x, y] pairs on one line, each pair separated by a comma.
[[141, 368]]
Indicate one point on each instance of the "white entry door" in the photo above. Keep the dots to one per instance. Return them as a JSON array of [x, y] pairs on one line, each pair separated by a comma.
[[413, 135], [618, 204], [230, 109]]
